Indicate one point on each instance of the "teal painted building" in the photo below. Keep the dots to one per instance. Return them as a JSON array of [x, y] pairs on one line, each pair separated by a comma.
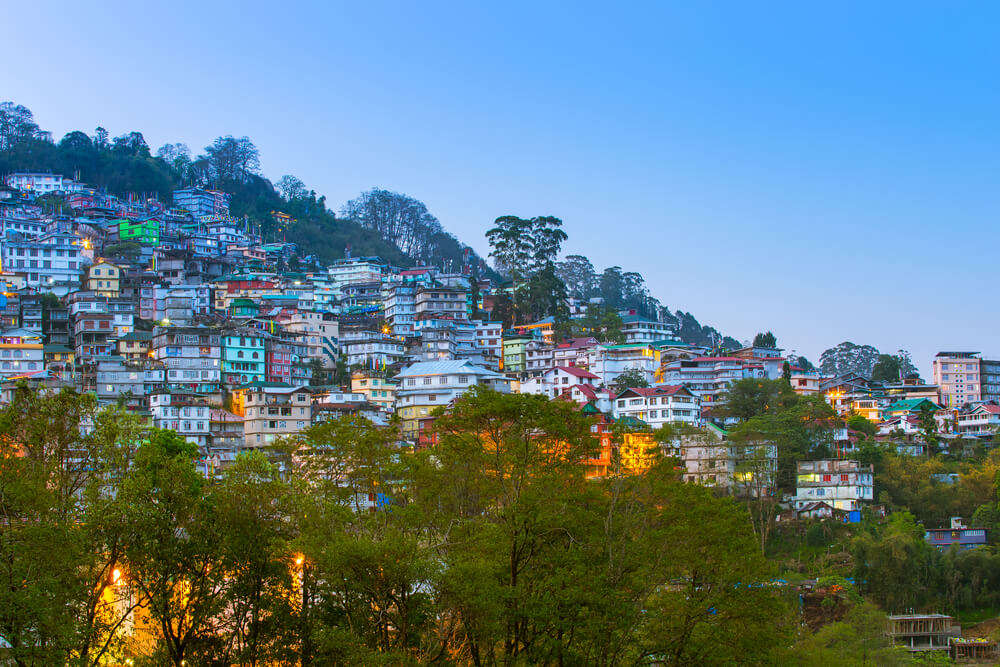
[[242, 358]]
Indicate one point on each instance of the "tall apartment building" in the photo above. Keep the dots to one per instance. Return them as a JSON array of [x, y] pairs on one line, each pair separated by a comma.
[[441, 301], [429, 384], [184, 412], [199, 202], [963, 377], [243, 357], [52, 261], [20, 353]]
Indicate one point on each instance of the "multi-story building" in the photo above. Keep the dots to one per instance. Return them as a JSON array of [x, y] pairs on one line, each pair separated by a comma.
[[377, 390], [318, 331], [659, 405], [982, 421], [52, 262], [278, 359], [21, 354], [372, 349], [637, 329], [184, 412], [556, 381], [843, 485], [134, 346], [226, 438], [438, 300], [489, 338], [199, 202], [191, 357], [103, 278], [271, 410], [515, 352], [538, 357], [957, 375], [359, 270], [429, 384], [609, 361], [117, 377], [176, 304], [708, 378], [243, 357], [42, 183]]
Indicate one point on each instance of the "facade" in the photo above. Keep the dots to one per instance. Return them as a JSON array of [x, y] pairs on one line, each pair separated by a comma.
[[427, 385], [200, 203], [271, 410], [844, 485], [377, 390], [53, 261], [21, 354], [103, 278], [982, 421], [191, 357], [659, 405], [243, 357], [42, 183], [957, 375], [638, 329], [183, 412]]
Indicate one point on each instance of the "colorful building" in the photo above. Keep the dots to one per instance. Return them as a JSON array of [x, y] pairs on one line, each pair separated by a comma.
[[243, 358]]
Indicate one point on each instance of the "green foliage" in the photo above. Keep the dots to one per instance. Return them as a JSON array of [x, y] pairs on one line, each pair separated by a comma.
[[753, 397], [630, 379], [861, 425], [767, 340], [894, 565]]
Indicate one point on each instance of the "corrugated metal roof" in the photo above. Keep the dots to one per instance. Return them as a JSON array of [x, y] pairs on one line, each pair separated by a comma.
[[446, 367]]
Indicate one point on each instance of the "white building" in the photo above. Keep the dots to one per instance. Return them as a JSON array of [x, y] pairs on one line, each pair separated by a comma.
[[186, 413], [609, 361], [638, 329], [555, 381], [427, 385], [844, 485], [489, 338], [981, 421], [348, 271], [177, 304], [20, 353], [663, 404], [372, 349], [42, 184], [48, 262]]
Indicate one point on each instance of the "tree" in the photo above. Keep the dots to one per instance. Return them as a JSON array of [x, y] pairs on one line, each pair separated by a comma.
[[886, 369], [232, 159], [291, 187], [132, 144], [17, 125], [767, 340], [751, 397], [631, 378], [848, 358], [579, 276], [894, 564], [861, 425]]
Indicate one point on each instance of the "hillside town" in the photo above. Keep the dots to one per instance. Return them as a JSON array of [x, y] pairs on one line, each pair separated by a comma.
[[175, 315], [182, 313]]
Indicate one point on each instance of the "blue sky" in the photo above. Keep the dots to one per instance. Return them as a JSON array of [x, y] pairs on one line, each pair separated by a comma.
[[824, 172]]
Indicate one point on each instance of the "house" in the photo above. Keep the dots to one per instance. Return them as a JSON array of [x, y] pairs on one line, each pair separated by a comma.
[[555, 381], [191, 356], [659, 405], [271, 410], [377, 390], [982, 421], [243, 359], [21, 354], [844, 485], [911, 407], [637, 329], [957, 535], [426, 385], [103, 278]]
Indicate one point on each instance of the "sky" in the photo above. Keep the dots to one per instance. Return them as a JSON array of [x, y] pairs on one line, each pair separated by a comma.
[[826, 171]]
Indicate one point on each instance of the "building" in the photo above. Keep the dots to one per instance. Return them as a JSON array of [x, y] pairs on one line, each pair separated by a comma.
[[145, 232], [982, 421], [103, 278], [200, 203], [427, 385], [187, 413], [489, 338], [42, 183], [637, 329], [958, 535], [226, 438], [174, 304], [21, 354], [555, 381], [243, 357], [377, 390], [659, 405], [844, 485], [271, 410], [609, 361], [118, 378], [191, 357], [53, 261], [441, 301], [922, 632], [957, 375], [515, 353]]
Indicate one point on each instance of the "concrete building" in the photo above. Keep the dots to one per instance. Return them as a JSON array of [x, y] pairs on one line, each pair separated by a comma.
[[187, 413], [637, 329], [430, 384], [957, 375], [191, 357], [52, 262], [243, 357], [659, 405], [42, 183], [21, 354], [271, 410], [377, 390], [982, 421], [103, 278], [844, 485], [922, 632]]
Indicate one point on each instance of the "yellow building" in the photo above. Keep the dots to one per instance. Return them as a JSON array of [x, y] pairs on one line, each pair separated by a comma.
[[638, 451], [103, 278], [378, 391]]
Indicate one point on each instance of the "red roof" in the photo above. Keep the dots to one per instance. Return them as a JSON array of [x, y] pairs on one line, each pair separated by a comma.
[[577, 372], [574, 343]]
